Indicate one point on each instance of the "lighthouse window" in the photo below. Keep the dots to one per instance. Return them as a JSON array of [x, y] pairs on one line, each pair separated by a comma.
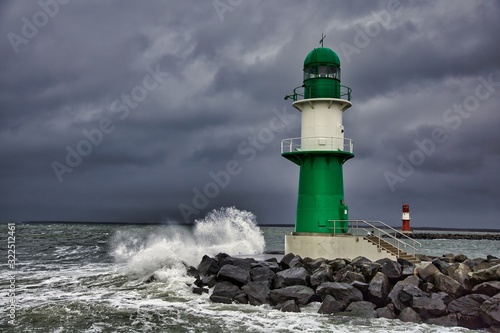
[[309, 73], [334, 72], [322, 71]]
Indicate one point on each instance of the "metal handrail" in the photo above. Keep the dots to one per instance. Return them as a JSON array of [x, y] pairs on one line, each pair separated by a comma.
[[345, 91], [380, 231], [327, 144]]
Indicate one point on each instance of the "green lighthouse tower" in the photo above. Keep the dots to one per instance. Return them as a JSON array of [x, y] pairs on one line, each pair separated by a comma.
[[322, 149]]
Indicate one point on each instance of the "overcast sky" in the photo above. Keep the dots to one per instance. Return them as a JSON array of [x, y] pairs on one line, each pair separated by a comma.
[[153, 111]]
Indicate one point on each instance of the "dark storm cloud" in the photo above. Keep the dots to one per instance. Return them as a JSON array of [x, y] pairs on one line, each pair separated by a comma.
[[221, 81]]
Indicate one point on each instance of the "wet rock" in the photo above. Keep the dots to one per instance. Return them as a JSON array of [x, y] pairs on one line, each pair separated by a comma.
[[337, 264], [289, 306], [193, 272], [467, 310], [234, 274], [294, 276], [460, 258], [331, 305], [448, 285], [459, 272], [200, 291], [396, 291], [209, 281], [379, 289], [490, 257], [314, 264], [410, 292], [257, 292], [449, 320], [490, 288], [262, 274], [225, 292], [390, 268], [358, 261], [361, 286], [272, 265], [443, 297], [323, 274], [490, 311], [409, 315], [295, 262], [441, 264], [362, 309], [244, 263], [387, 312], [342, 292], [152, 278], [241, 298], [369, 270], [485, 275], [302, 294], [341, 273], [208, 266], [428, 307], [407, 268], [285, 261]]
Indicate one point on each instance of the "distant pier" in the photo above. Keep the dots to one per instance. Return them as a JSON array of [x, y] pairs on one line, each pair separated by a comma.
[[429, 235]]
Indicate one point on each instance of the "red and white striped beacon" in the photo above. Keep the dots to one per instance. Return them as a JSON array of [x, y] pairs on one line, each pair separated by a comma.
[[405, 227]]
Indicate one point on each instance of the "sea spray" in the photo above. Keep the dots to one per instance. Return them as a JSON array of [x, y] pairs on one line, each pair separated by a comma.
[[168, 248]]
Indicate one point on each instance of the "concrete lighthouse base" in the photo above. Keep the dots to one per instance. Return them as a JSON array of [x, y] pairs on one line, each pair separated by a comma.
[[332, 247]]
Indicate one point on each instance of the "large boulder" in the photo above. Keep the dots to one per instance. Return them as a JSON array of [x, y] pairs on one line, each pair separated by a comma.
[[459, 272], [342, 292], [490, 288], [391, 269], [293, 276], [285, 261], [257, 292], [485, 275], [409, 315], [410, 292], [226, 292], [302, 294], [331, 305], [490, 311], [448, 285], [379, 289], [323, 274], [394, 295], [349, 277], [428, 307], [272, 265], [467, 310], [449, 320], [337, 264], [208, 266], [362, 309], [369, 270], [387, 312], [296, 262], [289, 306], [441, 264], [262, 274], [234, 274], [427, 271]]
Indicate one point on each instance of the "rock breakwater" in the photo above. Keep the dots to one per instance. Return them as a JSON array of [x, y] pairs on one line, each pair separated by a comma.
[[448, 291]]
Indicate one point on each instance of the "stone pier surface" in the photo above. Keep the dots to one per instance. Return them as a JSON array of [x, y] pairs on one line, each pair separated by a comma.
[[451, 290]]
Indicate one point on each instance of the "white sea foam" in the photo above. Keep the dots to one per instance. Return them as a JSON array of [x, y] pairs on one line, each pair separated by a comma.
[[228, 230]]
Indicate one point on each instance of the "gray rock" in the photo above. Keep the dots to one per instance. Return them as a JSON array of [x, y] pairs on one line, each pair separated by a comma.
[[237, 275], [285, 261], [323, 274], [449, 320], [490, 288], [485, 275], [337, 264], [467, 310], [390, 268], [490, 311], [262, 274], [289, 306], [200, 291], [296, 262], [379, 289], [294, 276], [460, 258], [448, 285], [485, 264], [209, 281], [386, 312], [428, 287], [224, 292], [408, 293], [441, 264], [331, 305], [362, 309], [314, 264], [358, 261], [208, 266], [241, 298], [342, 292], [272, 265], [302, 294], [257, 292], [369, 270], [244, 263], [443, 297], [427, 271], [409, 315], [349, 277], [361, 286], [428, 307], [459, 272], [396, 291]]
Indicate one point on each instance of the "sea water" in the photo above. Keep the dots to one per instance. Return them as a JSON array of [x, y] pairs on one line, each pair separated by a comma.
[[92, 278]]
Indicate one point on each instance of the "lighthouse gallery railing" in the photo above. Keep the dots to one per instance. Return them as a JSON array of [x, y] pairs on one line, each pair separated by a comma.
[[316, 144]]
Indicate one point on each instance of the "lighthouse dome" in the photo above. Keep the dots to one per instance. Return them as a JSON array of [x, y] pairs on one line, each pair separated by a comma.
[[322, 55]]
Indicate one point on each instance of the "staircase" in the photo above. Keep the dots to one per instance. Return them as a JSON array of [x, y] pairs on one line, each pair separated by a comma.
[[384, 245]]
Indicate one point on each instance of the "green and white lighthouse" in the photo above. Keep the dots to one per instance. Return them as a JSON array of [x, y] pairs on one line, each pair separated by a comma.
[[322, 149]]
